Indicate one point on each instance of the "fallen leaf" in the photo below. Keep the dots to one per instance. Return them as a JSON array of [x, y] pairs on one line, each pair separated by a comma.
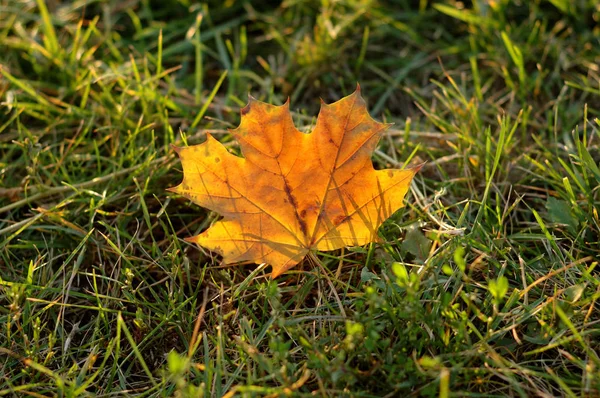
[[292, 192]]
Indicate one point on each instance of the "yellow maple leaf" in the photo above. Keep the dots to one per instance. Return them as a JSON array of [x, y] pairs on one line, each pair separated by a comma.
[[292, 192]]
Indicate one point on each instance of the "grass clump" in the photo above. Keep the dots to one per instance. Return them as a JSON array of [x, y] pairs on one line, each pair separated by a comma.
[[487, 283]]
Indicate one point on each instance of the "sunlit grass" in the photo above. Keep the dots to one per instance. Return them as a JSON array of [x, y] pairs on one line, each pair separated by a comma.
[[486, 283]]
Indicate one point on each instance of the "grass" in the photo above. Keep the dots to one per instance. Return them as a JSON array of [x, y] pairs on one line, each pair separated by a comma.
[[487, 283]]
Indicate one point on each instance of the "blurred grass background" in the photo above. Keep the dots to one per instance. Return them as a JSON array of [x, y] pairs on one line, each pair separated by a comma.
[[487, 284]]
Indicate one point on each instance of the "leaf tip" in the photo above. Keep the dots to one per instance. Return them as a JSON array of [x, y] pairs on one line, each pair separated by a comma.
[[418, 167], [191, 239], [276, 273], [246, 109], [248, 106]]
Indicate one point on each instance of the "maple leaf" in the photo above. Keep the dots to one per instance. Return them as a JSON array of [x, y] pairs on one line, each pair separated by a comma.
[[292, 192]]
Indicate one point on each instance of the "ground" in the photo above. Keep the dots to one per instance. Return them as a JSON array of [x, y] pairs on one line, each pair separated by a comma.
[[485, 284]]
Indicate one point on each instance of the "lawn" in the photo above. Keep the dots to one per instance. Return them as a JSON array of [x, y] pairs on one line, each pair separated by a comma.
[[486, 283]]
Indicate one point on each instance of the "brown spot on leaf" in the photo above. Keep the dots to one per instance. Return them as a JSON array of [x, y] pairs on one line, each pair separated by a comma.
[[340, 219], [294, 203], [302, 226]]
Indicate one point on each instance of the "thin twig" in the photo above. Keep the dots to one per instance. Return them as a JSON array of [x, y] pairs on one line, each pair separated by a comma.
[[194, 341]]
